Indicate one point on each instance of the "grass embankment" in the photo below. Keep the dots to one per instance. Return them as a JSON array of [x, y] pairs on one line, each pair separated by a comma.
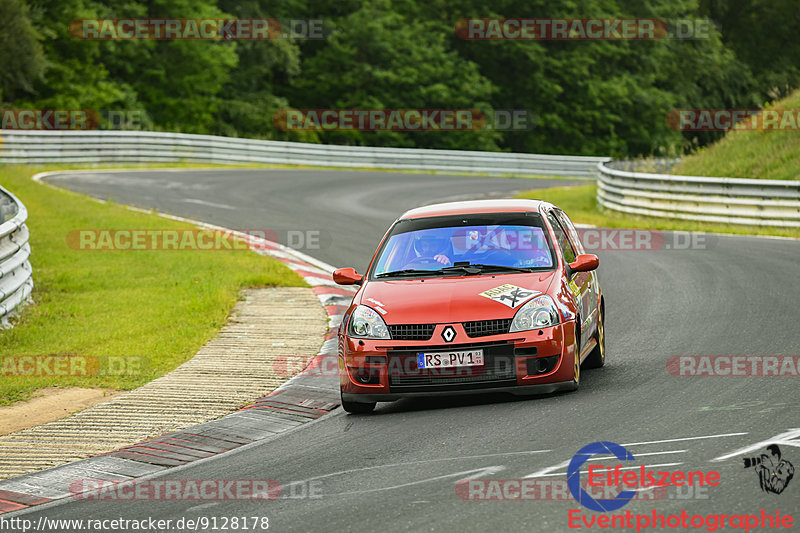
[[154, 309], [750, 153], [580, 203]]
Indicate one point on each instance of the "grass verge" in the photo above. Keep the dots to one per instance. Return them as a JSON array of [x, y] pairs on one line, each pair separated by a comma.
[[580, 203], [135, 314], [750, 154]]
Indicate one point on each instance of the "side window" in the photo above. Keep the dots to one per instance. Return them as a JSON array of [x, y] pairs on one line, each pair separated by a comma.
[[574, 238], [561, 238]]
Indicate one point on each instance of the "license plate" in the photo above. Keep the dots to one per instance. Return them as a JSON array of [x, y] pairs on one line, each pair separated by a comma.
[[450, 359]]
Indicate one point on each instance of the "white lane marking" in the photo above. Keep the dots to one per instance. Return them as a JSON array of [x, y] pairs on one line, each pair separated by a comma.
[[624, 468], [545, 471], [787, 438], [684, 438], [486, 471], [202, 506], [425, 461], [210, 204]]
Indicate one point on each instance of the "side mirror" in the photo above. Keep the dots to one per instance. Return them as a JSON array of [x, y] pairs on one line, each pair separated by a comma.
[[347, 276], [584, 263]]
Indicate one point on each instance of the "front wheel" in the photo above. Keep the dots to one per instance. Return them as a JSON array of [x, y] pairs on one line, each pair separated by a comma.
[[358, 408], [597, 358]]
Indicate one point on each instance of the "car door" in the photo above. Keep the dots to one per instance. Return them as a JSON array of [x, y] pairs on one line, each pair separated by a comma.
[[579, 283], [592, 292]]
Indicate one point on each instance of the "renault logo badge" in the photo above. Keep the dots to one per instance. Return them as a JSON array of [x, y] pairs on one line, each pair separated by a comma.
[[448, 334]]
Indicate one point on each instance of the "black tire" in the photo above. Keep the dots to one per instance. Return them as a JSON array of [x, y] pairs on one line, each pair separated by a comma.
[[358, 408], [597, 358]]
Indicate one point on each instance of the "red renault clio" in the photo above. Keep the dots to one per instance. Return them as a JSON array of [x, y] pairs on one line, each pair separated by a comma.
[[469, 297]]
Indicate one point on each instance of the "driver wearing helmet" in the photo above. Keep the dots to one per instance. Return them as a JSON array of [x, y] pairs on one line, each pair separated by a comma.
[[432, 246]]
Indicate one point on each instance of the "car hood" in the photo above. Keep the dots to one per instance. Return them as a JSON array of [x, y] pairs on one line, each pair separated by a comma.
[[453, 299]]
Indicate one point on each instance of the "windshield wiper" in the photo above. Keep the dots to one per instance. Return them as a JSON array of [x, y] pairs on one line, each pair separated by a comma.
[[406, 272], [463, 266], [458, 266], [477, 268]]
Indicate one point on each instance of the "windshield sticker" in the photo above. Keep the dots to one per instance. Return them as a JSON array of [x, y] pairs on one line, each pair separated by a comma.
[[509, 295]]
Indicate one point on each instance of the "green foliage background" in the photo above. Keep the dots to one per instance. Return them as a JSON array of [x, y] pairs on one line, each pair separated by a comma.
[[588, 97]]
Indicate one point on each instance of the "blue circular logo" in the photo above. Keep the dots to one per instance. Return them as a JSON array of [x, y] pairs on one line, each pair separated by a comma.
[[574, 476]]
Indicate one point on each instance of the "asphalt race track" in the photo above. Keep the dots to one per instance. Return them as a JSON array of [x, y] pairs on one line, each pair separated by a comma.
[[351, 210], [397, 470]]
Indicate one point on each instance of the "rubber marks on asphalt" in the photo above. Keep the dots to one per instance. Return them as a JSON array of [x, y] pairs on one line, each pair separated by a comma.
[[292, 402], [204, 440]]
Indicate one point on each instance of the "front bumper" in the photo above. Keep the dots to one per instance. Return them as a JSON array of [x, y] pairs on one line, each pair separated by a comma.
[[523, 390], [531, 362]]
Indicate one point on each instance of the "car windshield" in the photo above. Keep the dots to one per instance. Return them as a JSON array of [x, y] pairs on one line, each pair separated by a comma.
[[498, 242]]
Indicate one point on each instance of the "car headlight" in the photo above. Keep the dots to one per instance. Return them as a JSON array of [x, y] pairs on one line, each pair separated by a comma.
[[537, 313], [367, 324]]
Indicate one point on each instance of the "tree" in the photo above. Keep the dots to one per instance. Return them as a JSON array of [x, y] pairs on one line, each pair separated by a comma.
[[22, 59], [378, 58]]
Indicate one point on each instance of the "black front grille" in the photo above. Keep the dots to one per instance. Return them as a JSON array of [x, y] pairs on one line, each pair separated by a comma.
[[499, 370], [483, 328], [411, 332]]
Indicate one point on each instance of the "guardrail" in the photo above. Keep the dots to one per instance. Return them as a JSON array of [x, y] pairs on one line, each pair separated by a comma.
[[16, 281], [98, 146], [728, 200]]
